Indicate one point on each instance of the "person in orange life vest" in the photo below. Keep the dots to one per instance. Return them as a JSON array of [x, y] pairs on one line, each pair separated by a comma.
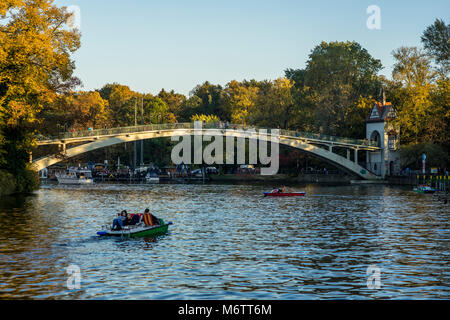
[[150, 219]]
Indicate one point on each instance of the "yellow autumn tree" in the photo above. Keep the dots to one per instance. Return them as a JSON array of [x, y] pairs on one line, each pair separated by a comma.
[[35, 66], [240, 100]]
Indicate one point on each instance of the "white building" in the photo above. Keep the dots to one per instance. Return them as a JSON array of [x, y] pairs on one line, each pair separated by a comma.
[[379, 130]]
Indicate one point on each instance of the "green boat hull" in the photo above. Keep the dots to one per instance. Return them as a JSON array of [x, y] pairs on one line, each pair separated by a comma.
[[137, 233], [424, 191]]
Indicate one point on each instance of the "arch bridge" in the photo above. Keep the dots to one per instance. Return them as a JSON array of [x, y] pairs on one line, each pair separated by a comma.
[[315, 144]]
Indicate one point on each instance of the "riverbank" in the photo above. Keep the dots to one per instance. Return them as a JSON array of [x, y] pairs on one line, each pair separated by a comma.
[[7, 184], [439, 182], [25, 181]]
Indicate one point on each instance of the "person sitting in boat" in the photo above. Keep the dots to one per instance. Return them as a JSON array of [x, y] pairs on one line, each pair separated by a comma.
[[119, 222], [149, 219], [132, 219]]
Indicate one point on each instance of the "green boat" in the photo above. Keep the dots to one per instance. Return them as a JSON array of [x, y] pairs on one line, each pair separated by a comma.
[[424, 189], [139, 230]]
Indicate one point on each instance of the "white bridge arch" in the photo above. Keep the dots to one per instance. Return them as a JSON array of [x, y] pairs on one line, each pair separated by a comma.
[[306, 142]]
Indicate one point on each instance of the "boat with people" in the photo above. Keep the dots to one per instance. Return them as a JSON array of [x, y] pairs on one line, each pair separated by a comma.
[[424, 189], [135, 225], [284, 192], [75, 176]]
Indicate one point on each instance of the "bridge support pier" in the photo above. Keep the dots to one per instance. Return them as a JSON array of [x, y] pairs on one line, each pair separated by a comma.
[[356, 155], [62, 147], [348, 154]]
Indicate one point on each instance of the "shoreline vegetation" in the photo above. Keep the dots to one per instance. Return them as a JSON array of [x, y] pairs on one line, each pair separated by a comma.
[[332, 95]]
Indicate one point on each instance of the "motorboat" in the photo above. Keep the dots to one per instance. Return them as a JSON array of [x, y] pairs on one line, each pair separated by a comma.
[[75, 176]]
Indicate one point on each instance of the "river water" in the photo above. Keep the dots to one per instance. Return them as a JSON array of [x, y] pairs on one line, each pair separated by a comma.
[[227, 242]]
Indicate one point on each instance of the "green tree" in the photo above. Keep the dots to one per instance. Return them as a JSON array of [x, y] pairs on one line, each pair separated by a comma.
[[412, 71], [338, 77], [210, 96], [173, 100], [436, 40], [191, 106], [275, 105], [121, 103]]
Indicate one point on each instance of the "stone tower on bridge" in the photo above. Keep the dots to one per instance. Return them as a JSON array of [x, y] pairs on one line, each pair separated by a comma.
[[379, 130]]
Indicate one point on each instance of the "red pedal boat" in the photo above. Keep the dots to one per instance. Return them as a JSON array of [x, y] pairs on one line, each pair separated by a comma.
[[284, 194]]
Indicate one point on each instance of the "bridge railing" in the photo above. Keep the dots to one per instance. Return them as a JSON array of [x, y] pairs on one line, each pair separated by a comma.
[[208, 125]]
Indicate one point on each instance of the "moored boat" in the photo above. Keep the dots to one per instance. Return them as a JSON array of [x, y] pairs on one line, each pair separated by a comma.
[[152, 178], [424, 189], [75, 176]]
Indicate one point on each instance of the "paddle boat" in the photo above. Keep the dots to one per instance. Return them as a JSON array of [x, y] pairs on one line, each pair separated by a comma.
[[141, 229], [424, 189], [281, 192], [284, 194]]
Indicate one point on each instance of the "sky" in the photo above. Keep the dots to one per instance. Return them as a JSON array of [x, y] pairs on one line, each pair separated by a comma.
[[173, 44]]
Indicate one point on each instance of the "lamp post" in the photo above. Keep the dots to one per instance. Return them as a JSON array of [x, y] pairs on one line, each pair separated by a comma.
[[142, 122], [135, 124]]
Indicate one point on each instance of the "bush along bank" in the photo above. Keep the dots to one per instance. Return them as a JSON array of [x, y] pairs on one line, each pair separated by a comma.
[[25, 181]]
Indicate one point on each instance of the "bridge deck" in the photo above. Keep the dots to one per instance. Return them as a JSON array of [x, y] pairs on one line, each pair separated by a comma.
[[90, 135]]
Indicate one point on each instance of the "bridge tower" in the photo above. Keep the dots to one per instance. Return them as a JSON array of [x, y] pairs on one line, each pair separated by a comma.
[[378, 129]]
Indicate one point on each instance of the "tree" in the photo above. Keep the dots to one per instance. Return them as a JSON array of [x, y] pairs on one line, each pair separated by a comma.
[[158, 111], [35, 66], [329, 91], [436, 41], [275, 106], [173, 100], [203, 117], [89, 110], [121, 103], [412, 67], [191, 106], [238, 101], [210, 98], [412, 71]]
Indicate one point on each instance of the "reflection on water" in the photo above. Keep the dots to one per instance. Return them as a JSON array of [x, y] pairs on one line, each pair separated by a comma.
[[227, 242]]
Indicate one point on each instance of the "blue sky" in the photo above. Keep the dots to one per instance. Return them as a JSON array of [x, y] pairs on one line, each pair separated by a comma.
[[170, 44]]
